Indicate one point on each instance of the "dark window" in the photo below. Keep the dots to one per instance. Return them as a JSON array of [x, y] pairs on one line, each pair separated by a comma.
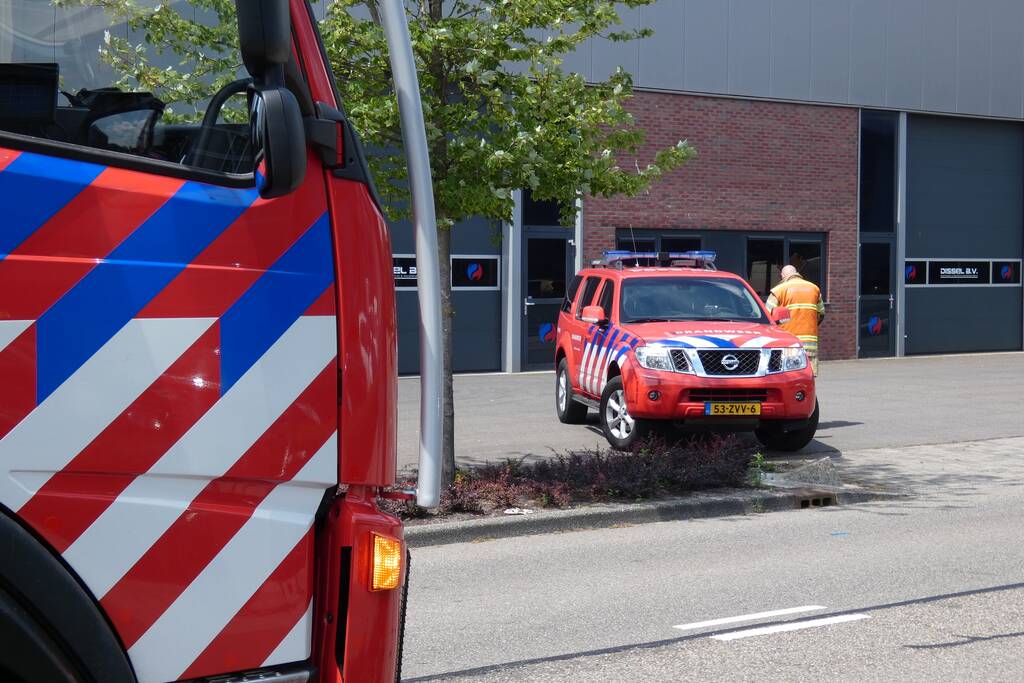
[[806, 258], [55, 85], [540, 211], [875, 268], [628, 243], [588, 294], [574, 287], [607, 295], [764, 264], [680, 243], [635, 240], [545, 267], [878, 130]]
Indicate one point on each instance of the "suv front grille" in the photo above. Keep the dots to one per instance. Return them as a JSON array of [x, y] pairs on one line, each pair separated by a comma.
[[775, 361], [702, 395], [679, 361], [746, 361]]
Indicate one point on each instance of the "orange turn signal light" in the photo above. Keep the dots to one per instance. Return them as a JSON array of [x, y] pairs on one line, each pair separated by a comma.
[[387, 563]]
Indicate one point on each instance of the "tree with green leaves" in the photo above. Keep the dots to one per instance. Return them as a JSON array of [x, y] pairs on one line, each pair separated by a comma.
[[501, 113]]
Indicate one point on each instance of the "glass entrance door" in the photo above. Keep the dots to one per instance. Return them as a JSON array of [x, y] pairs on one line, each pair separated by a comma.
[[549, 259], [877, 314]]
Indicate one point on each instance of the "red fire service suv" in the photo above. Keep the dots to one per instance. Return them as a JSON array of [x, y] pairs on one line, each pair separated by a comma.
[[198, 363], [654, 338]]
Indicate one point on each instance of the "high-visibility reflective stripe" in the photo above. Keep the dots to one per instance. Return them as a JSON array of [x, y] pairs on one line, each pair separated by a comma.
[[811, 307]]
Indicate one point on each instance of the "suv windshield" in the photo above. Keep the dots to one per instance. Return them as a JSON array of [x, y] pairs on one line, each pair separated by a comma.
[[688, 298]]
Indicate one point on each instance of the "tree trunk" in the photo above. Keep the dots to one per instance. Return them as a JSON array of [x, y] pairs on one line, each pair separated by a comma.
[[439, 163], [444, 252]]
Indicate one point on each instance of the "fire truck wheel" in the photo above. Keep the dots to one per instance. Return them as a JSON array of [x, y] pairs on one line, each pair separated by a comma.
[[568, 410], [778, 440], [621, 429]]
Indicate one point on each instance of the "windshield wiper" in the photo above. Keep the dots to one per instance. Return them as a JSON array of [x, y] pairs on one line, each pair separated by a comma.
[[655, 320]]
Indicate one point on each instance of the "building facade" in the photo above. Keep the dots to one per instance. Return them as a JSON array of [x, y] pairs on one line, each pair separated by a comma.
[[876, 144]]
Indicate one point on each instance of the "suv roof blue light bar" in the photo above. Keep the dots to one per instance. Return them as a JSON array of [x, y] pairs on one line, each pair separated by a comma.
[[701, 259]]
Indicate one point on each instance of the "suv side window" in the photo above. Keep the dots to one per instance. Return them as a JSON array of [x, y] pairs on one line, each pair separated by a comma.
[[570, 295], [588, 294], [607, 294], [70, 74]]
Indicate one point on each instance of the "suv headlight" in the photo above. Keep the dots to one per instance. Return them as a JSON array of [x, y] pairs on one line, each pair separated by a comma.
[[654, 358], [794, 359]]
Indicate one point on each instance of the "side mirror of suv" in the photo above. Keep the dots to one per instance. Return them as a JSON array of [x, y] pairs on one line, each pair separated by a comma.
[[278, 139], [780, 314], [594, 315]]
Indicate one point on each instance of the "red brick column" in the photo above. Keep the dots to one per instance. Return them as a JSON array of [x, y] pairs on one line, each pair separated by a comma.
[[765, 166]]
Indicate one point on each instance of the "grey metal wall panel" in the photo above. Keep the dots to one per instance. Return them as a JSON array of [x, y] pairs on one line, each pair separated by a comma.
[[868, 37], [580, 60], [705, 38], [830, 50], [944, 56], [938, 89], [609, 54], [904, 56], [477, 322], [974, 56], [953, 320], [660, 57], [965, 188], [1007, 65], [791, 49], [965, 199], [749, 57]]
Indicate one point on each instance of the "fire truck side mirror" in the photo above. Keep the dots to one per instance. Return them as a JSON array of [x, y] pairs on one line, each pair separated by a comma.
[[278, 140], [594, 315], [264, 36], [780, 314]]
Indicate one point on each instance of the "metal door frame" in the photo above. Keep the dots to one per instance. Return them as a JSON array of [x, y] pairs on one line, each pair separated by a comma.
[[895, 319], [539, 232]]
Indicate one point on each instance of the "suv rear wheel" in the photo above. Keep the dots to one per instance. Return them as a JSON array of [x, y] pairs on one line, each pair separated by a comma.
[[568, 410], [620, 428], [774, 438]]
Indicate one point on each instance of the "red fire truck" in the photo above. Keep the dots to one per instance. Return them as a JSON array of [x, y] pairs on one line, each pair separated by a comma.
[[198, 364]]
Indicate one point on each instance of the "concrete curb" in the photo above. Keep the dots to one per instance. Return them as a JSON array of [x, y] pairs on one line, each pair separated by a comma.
[[695, 506]]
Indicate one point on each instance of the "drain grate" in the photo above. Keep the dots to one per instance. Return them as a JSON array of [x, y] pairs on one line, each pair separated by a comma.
[[822, 502]]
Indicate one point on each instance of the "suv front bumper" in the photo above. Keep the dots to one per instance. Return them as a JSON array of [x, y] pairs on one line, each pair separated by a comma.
[[659, 395]]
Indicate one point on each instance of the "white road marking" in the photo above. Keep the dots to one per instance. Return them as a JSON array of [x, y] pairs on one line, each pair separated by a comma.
[[796, 626], [748, 617]]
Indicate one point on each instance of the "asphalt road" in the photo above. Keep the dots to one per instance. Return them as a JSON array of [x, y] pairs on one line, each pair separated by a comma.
[[864, 404], [927, 588]]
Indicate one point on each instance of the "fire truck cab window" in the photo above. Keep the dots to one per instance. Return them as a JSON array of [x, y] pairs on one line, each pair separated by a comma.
[[588, 294], [68, 74]]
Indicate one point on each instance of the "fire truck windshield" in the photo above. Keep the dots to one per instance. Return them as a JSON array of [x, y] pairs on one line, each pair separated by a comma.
[[688, 298]]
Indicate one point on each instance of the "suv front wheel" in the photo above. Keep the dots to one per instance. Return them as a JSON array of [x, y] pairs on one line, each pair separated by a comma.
[[620, 428]]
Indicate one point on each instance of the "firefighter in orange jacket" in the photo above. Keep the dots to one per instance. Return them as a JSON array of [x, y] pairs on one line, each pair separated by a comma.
[[806, 310]]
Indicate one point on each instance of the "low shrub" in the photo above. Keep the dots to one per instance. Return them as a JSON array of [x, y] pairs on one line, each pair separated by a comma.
[[656, 468]]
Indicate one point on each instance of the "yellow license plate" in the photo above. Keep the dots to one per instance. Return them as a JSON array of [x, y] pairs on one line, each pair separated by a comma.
[[732, 408]]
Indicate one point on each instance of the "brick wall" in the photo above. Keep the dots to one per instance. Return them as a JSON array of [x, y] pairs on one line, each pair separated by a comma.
[[760, 166]]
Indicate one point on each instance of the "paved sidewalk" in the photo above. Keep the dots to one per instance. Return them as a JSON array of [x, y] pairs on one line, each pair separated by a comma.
[[952, 472], [865, 404]]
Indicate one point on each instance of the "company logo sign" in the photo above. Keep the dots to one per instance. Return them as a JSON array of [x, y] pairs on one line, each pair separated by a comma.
[[475, 272], [874, 326], [1006, 273], [911, 273], [546, 332], [730, 362]]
